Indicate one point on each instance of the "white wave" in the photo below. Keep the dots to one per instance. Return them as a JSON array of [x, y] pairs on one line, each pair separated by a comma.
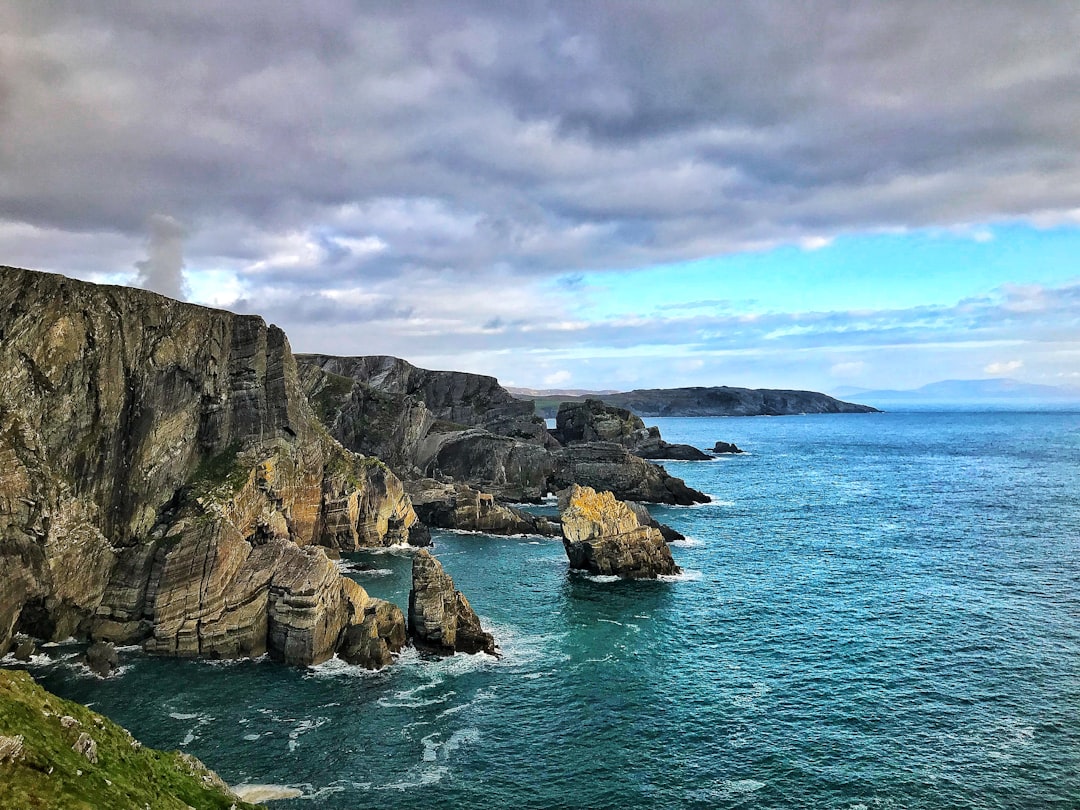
[[302, 728], [743, 785], [610, 621], [265, 793], [425, 776], [687, 542], [683, 576], [188, 738], [337, 667], [398, 550], [602, 578], [182, 716]]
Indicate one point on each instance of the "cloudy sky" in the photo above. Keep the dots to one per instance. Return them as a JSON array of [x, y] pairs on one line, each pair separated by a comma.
[[582, 194]]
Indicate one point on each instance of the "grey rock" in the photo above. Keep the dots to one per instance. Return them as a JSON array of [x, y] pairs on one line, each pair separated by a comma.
[[102, 659], [725, 447], [610, 466], [25, 649], [596, 421], [440, 617], [86, 746]]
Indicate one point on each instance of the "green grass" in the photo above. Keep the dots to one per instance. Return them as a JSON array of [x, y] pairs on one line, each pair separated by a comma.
[[220, 476], [50, 774]]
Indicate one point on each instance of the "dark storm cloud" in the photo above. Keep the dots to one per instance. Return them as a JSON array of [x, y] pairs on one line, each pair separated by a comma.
[[540, 137]]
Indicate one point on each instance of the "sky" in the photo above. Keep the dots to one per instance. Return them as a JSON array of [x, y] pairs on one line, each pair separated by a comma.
[[576, 194]]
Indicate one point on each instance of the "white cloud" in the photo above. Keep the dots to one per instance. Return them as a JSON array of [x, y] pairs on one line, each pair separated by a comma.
[[558, 378], [1004, 367]]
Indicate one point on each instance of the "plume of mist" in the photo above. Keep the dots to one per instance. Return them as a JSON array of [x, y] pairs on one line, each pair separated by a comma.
[[163, 268]]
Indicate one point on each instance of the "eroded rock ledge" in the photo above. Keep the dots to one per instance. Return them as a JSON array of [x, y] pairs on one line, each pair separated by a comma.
[[604, 536]]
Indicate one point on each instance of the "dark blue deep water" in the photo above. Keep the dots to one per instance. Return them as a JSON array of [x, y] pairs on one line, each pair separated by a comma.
[[877, 611]]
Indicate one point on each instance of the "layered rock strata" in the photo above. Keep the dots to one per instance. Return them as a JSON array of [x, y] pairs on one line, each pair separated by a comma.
[[603, 535], [440, 617], [163, 479]]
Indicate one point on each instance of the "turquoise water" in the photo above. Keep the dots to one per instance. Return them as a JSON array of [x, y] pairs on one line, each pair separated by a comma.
[[878, 611]]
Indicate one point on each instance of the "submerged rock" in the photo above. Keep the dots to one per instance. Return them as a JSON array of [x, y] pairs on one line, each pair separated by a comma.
[[604, 536], [440, 617]]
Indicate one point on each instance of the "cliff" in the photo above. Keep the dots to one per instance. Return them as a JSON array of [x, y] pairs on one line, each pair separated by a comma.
[[164, 480], [460, 428], [58, 754], [472, 400], [713, 401]]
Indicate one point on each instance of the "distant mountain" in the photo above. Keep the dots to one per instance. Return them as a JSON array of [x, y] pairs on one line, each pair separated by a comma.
[[996, 389], [700, 401]]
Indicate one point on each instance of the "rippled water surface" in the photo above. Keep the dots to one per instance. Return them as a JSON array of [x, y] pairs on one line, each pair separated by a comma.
[[876, 611]]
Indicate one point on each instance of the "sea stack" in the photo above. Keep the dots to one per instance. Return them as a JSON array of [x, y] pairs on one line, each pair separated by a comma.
[[603, 535], [440, 617]]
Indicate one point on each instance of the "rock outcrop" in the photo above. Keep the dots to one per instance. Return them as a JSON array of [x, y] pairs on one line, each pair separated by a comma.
[[610, 466], [459, 506], [101, 658], [722, 448], [440, 617], [163, 479], [603, 535], [595, 421]]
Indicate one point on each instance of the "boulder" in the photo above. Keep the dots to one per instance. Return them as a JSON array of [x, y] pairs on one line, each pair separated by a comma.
[[372, 642], [603, 535], [459, 506], [102, 659], [509, 468], [645, 519], [25, 649], [440, 617], [725, 447]]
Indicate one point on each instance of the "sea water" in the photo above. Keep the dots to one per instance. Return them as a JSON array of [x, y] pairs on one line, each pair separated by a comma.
[[875, 611]]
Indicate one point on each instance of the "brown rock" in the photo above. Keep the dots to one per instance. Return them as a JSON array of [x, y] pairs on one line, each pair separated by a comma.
[[604, 536], [440, 618], [102, 659]]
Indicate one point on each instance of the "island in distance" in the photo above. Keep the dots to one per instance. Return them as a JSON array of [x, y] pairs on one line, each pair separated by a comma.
[[699, 401]]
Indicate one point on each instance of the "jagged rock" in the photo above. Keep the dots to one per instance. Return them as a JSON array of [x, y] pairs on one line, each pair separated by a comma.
[[609, 466], [440, 618], [459, 506], [604, 536], [11, 748], [154, 457], [594, 421], [372, 642], [86, 746], [725, 447], [25, 649], [67, 721], [102, 659]]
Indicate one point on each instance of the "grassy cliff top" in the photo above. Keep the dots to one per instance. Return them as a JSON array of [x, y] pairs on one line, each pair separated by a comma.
[[48, 748]]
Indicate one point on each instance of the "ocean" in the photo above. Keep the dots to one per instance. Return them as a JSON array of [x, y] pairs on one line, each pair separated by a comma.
[[876, 611]]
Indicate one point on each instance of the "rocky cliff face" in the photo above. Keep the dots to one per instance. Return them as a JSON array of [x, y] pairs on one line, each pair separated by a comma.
[[610, 466], [459, 506], [163, 478], [473, 400], [595, 421], [604, 536]]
